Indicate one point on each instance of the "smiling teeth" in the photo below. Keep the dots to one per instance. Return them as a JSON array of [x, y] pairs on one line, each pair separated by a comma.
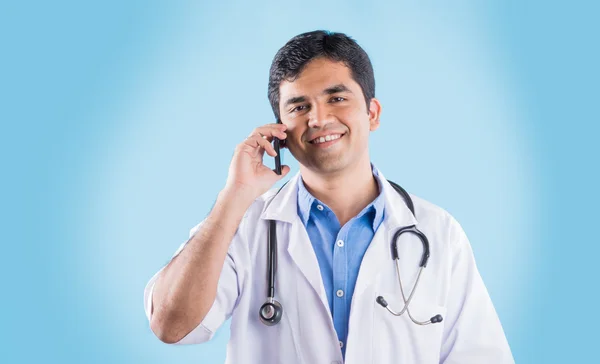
[[326, 138]]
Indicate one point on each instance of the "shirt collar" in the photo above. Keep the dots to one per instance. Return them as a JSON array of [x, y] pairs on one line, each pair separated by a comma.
[[282, 205], [306, 201]]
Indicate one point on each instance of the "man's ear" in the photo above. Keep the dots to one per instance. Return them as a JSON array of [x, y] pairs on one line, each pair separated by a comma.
[[374, 114]]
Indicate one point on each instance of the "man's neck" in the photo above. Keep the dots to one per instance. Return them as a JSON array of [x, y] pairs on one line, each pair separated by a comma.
[[347, 192]]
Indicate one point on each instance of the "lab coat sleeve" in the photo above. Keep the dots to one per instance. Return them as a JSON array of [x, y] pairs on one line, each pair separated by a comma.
[[223, 306], [472, 331]]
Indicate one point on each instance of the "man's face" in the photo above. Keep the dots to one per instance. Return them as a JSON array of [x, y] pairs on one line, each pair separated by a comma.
[[324, 101]]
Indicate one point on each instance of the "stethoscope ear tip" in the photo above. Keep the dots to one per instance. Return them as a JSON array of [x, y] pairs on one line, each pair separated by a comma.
[[437, 318], [382, 301]]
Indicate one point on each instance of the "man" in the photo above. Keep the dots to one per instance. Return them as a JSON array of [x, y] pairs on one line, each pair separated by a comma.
[[335, 221]]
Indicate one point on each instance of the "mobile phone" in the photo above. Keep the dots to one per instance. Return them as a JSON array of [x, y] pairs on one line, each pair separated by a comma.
[[277, 146]]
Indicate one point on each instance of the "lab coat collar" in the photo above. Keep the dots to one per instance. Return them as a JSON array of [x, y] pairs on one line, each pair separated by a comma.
[[397, 215], [284, 206], [396, 211]]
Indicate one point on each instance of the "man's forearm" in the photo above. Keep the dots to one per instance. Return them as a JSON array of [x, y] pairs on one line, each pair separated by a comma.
[[186, 289]]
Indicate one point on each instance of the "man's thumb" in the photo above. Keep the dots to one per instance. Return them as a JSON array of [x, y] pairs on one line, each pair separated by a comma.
[[285, 169]]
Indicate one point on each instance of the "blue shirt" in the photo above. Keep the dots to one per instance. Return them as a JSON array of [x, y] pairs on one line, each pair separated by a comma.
[[339, 249]]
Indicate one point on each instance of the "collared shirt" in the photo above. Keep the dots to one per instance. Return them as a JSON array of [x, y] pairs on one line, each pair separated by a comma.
[[339, 249]]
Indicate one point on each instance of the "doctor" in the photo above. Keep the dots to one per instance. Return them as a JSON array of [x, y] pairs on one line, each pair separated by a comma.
[[335, 221]]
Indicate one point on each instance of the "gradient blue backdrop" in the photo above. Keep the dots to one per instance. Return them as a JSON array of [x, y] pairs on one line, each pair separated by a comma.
[[118, 121]]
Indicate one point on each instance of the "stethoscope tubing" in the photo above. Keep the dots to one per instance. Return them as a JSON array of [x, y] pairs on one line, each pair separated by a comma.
[[271, 312]]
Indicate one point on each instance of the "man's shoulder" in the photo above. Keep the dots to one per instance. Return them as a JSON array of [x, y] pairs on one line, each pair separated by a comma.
[[428, 213], [428, 208]]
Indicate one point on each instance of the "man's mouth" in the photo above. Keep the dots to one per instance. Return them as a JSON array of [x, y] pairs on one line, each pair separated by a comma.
[[326, 138]]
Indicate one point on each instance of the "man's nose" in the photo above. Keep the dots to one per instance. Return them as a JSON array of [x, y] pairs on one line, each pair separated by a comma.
[[319, 117]]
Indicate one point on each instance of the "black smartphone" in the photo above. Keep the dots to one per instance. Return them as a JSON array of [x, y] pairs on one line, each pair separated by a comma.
[[277, 144]]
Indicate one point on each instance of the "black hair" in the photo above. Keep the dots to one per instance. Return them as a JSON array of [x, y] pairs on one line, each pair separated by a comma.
[[291, 59]]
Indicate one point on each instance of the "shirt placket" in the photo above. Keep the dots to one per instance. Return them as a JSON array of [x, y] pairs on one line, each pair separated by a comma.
[[340, 285]]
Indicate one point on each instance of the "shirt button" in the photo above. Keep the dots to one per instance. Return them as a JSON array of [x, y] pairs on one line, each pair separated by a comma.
[[320, 207], [339, 293], [340, 243], [341, 344]]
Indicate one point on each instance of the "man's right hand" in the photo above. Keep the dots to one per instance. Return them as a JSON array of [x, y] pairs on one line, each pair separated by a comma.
[[248, 176], [186, 289]]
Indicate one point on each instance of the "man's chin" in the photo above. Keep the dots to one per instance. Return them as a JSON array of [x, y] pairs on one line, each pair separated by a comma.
[[325, 167]]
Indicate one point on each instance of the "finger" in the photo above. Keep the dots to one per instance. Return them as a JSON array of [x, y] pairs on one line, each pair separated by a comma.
[[274, 125], [269, 136], [256, 141], [271, 130], [285, 169]]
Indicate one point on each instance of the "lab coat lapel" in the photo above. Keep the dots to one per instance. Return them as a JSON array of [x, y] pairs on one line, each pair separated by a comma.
[[303, 254], [396, 216], [284, 208]]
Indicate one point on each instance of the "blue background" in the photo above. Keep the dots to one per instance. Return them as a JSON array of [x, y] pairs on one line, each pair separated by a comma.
[[119, 119]]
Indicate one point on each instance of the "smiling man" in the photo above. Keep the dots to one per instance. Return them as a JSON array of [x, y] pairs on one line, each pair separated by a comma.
[[328, 123], [326, 234]]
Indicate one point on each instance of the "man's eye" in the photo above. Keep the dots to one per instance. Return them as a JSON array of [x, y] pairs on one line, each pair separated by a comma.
[[299, 108], [337, 99]]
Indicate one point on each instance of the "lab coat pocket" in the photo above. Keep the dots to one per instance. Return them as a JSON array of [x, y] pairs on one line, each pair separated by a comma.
[[396, 339]]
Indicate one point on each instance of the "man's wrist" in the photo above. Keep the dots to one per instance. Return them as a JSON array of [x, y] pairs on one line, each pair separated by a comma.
[[236, 196]]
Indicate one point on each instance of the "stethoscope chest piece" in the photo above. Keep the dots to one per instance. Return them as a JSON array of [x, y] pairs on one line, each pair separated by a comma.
[[271, 312]]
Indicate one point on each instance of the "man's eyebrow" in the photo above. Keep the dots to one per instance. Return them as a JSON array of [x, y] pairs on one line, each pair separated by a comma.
[[294, 100], [335, 89], [328, 91]]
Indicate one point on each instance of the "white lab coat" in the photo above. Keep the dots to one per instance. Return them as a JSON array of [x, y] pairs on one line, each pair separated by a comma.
[[450, 285]]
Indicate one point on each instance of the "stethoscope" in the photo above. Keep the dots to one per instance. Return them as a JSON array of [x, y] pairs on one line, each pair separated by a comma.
[[270, 312]]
